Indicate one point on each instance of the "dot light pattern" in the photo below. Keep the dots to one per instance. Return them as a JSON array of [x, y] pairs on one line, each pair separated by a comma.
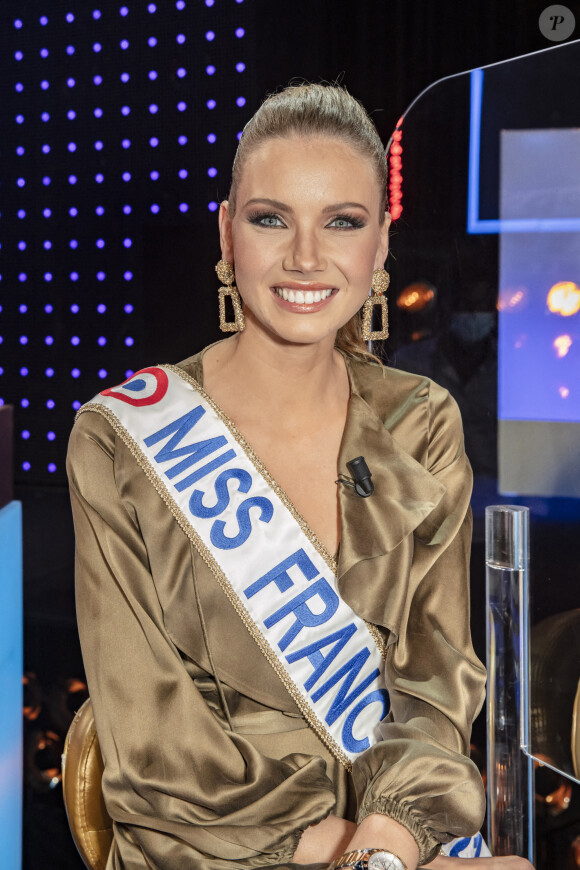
[[113, 117]]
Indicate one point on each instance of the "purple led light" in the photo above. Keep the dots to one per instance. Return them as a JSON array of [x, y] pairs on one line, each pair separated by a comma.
[[101, 341], [154, 176], [240, 67], [74, 276], [43, 20], [128, 309], [47, 245], [129, 341], [127, 243], [48, 340], [22, 214], [182, 140], [181, 72], [48, 308], [210, 36], [50, 403], [20, 150], [99, 177], [211, 104], [129, 373], [98, 145], [23, 339], [20, 182], [51, 467], [241, 101], [154, 142], [152, 42], [181, 106], [100, 210], [19, 87], [48, 276], [72, 146], [76, 373], [45, 149], [101, 276], [70, 49], [102, 373], [73, 212], [97, 80], [124, 44], [211, 137], [97, 47], [180, 38], [21, 246], [71, 83], [126, 143], [125, 77], [75, 340], [213, 206], [182, 173], [18, 54], [24, 403], [180, 4], [209, 2], [123, 11], [125, 110], [98, 113], [43, 53], [100, 243], [126, 176], [51, 436], [47, 212], [128, 276], [23, 308], [72, 179], [26, 466], [183, 207], [127, 209], [155, 208], [240, 32], [239, 135], [73, 244], [71, 114], [70, 17], [45, 117], [101, 308], [75, 308], [19, 119], [25, 434], [152, 8], [23, 371], [96, 14], [76, 405], [18, 24], [212, 172], [152, 74], [22, 276], [153, 109]]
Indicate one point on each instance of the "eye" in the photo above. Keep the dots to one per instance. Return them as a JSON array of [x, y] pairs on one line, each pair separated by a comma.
[[266, 219], [346, 222]]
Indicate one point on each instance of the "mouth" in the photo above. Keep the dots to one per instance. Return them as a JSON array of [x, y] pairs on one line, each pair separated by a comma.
[[303, 297]]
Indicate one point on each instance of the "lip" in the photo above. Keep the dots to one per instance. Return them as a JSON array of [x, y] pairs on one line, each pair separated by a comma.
[[303, 285]]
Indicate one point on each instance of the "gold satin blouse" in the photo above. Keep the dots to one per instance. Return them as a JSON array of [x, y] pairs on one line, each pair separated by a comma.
[[225, 773]]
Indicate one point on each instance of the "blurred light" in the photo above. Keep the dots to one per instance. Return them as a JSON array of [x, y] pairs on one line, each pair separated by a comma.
[[23, 308], [123, 11], [20, 120], [240, 32], [211, 137], [128, 308], [18, 54], [70, 17], [154, 141], [99, 177], [25, 403], [71, 83], [43, 20], [102, 373], [125, 110], [20, 150], [98, 113], [72, 146], [129, 373], [101, 341], [182, 106], [209, 2], [210, 36], [76, 405], [22, 276], [19, 87], [49, 340], [73, 244], [45, 117], [71, 114], [211, 104], [70, 49], [213, 206], [562, 345], [210, 70], [25, 434], [152, 42], [97, 47], [48, 308], [126, 143], [182, 140], [240, 67], [45, 213], [101, 276], [180, 38], [126, 176], [564, 298], [18, 23], [128, 276], [73, 211], [75, 308], [153, 109], [183, 207], [51, 467], [154, 175], [96, 14], [72, 179], [98, 145], [23, 371], [26, 466], [100, 210], [183, 173], [20, 182], [152, 74], [124, 44], [76, 373], [23, 339], [129, 341], [101, 308], [152, 8], [125, 77], [155, 208], [127, 243], [415, 296], [74, 276], [564, 392], [181, 72], [51, 436], [241, 101], [21, 246], [239, 135], [127, 209], [98, 80], [180, 4]]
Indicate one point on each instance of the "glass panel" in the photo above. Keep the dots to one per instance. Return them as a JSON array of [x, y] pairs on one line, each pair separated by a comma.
[[485, 180]]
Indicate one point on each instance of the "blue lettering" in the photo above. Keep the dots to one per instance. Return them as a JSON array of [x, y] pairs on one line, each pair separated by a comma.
[[180, 427], [304, 616], [205, 469], [317, 660], [348, 738], [196, 505], [223, 542], [197, 451], [279, 574], [349, 671]]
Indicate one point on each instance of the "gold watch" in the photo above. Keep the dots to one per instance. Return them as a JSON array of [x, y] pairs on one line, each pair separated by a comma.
[[368, 859]]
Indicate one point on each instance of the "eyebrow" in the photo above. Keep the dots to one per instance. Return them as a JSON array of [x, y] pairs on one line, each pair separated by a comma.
[[281, 206]]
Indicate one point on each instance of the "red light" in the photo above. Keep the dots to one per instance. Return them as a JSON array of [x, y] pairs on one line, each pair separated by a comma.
[[395, 175]]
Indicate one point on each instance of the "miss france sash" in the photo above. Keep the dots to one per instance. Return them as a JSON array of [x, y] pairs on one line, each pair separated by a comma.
[[277, 575]]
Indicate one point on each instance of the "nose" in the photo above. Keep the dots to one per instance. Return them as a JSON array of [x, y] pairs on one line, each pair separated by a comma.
[[304, 252]]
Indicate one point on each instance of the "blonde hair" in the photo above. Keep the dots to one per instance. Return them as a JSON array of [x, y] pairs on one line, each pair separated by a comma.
[[317, 110]]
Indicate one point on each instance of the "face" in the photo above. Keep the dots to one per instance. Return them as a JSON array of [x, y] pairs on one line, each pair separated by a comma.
[[305, 237]]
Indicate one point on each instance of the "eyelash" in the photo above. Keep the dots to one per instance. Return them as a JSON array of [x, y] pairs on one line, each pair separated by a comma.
[[257, 218]]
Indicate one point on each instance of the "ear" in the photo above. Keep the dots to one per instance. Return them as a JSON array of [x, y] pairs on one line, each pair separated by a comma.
[[383, 248], [225, 225]]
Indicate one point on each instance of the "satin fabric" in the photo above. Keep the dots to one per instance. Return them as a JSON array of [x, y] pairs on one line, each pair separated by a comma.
[[208, 761]]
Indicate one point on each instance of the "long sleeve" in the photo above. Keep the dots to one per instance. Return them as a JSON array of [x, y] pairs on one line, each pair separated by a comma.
[[182, 789], [420, 773]]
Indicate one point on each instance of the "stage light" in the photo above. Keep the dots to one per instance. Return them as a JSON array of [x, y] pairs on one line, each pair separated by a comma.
[[20, 120], [23, 308], [51, 467], [73, 244], [25, 434], [182, 140], [183, 173], [23, 339], [128, 308], [128, 276], [97, 47], [153, 74], [76, 405], [51, 436], [240, 67], [212, 172], [241, 101], [49, 372], [48, 308], [71, 147], [181, 72], [70, 17], [153, 108], [76, 373], [24, 403], [98, 145], [48, 340], [129, 341], [101, 308], [180, 38], [154, 175], [210, 36], [101, 341], [126, 143], [50, 403], [96, 14], [70, 49], [125, 77], [102, 373], [211, 138], [125, 110], [75, 308], [211, 104], [213, 206], [210, 70], [127, 209], [152, 42]]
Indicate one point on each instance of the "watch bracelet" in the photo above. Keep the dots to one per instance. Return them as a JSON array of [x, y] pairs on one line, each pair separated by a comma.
[[353, 859]]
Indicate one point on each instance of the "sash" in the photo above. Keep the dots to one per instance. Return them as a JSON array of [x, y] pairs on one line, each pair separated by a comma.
[[278, 576]]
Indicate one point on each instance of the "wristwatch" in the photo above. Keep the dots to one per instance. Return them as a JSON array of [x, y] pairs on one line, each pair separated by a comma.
[[368, 859]]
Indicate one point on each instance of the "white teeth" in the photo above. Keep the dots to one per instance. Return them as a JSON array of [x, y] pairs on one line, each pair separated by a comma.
[[303, 297], [317, 296], [299, 296], [285, 294], [291, 297]]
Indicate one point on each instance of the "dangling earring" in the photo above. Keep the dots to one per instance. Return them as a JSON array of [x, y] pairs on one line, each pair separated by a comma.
[[379, 285], [225, 273]]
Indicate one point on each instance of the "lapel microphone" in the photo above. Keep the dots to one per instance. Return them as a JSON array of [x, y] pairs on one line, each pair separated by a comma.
[[361, 477]]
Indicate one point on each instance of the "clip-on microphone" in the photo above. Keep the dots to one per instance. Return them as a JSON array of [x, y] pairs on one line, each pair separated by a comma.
[[361, 477]]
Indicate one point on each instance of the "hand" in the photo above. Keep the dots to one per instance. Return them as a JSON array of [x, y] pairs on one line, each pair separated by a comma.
[[325, 841], [508, 862]]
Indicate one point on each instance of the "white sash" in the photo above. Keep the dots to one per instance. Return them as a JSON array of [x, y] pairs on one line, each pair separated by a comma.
[[278, 576]]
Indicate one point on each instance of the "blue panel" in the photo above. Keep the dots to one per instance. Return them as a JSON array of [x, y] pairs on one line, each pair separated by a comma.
[[11, 685]]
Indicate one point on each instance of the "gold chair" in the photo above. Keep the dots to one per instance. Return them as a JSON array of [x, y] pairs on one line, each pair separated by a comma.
[[82, 771]]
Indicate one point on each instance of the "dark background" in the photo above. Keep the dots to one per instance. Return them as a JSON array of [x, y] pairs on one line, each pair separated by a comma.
[[384, 51]]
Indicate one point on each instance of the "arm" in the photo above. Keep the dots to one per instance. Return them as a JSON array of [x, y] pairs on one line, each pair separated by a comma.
[[420, 775], [180, 788]]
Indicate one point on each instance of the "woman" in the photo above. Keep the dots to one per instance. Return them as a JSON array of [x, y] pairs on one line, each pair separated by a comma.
[[237, 726]]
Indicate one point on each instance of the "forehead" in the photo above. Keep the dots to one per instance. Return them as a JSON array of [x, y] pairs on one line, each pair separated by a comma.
[[317, 167]]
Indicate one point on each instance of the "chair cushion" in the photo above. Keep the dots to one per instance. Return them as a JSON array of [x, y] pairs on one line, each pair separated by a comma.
[[82, 771]]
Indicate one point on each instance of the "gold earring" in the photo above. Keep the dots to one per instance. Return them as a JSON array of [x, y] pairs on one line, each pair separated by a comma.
[[225, 272], [379, 285]]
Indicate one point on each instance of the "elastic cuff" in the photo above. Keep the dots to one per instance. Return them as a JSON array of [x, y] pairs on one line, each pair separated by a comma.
[[403, 814]]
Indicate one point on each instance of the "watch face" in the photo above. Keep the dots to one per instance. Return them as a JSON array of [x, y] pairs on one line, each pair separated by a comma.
[[385, 861]]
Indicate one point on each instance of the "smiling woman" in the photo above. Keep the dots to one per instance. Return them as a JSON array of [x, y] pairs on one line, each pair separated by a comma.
[[281, 670]]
